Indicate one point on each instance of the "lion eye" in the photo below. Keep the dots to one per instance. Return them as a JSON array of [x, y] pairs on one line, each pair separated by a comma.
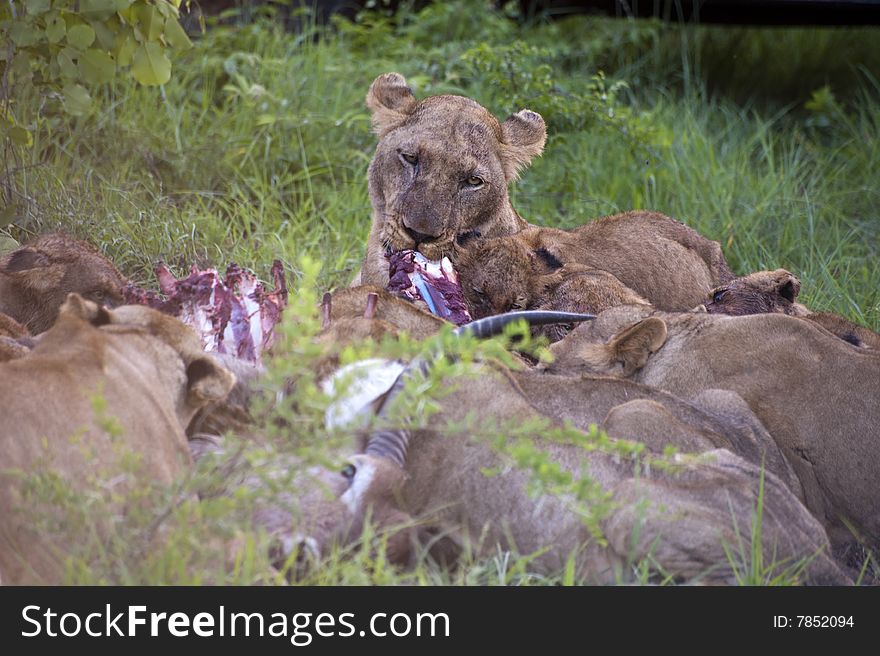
[[349, 471], [412, 160], [479, 292], [474, 181], [717, 296], [97, 295]]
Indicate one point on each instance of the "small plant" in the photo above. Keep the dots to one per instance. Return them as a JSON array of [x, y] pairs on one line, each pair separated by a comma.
[[69, 49], [66, 46], [521, 75], [748, 560]]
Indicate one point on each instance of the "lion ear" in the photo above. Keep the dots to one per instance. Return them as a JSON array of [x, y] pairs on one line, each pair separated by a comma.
[[33, 269], [626, 352], [788, 287], [524, 134], [76, 306], [391, 102], [632, 346], [207, 380]]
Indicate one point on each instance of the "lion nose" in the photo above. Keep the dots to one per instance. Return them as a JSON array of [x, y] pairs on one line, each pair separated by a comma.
[[418, 237]]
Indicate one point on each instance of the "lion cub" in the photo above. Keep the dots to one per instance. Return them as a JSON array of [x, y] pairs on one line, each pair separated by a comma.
[[36, 278], [776, 292], [506, 273], [649, 257]]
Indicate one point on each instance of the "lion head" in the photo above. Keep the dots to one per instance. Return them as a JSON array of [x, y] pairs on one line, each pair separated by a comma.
[[441, 171]]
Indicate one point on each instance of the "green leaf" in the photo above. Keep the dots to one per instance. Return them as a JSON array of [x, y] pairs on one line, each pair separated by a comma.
[[7, 216], [77, 100], [66, 63], [125, 49], [149, 21], [56, 28], [37, 7], [105, 36], [266, 119], [176, 35], [7, 244], [822, 100], [23, 34], [20, 136], [122, 5], [98, 9], [127, 14], [96, 66], [81, 36], [167, 10], [150, 66], [21, 66]]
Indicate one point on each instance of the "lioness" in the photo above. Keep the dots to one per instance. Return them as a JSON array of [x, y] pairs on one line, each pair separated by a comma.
[[101, 389], [685, 518], [441, 170], [816, 395]]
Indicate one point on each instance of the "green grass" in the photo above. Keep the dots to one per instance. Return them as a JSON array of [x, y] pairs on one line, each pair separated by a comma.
[[258, 149], [259, 145]]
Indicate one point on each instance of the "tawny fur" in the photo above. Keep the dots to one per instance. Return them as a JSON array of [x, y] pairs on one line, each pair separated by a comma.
[[153, 375], [351, 303], [815, 394], [655, 255], [846, 330], [428, 151], [628, 410], [635, 257], [9, 327], [232, 414], [681, 517], [15, 339], [777, 291], [507, 273], [36, 278], [347, 323], [758, 293]]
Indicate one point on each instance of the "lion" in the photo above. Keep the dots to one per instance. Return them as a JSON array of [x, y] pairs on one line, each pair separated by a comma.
[[668, 263], [440, 177], [440, 172], [815, 394], [101, 402], [683, 514], [508, 273], [776, 292], [37, 277], [636, 257]]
